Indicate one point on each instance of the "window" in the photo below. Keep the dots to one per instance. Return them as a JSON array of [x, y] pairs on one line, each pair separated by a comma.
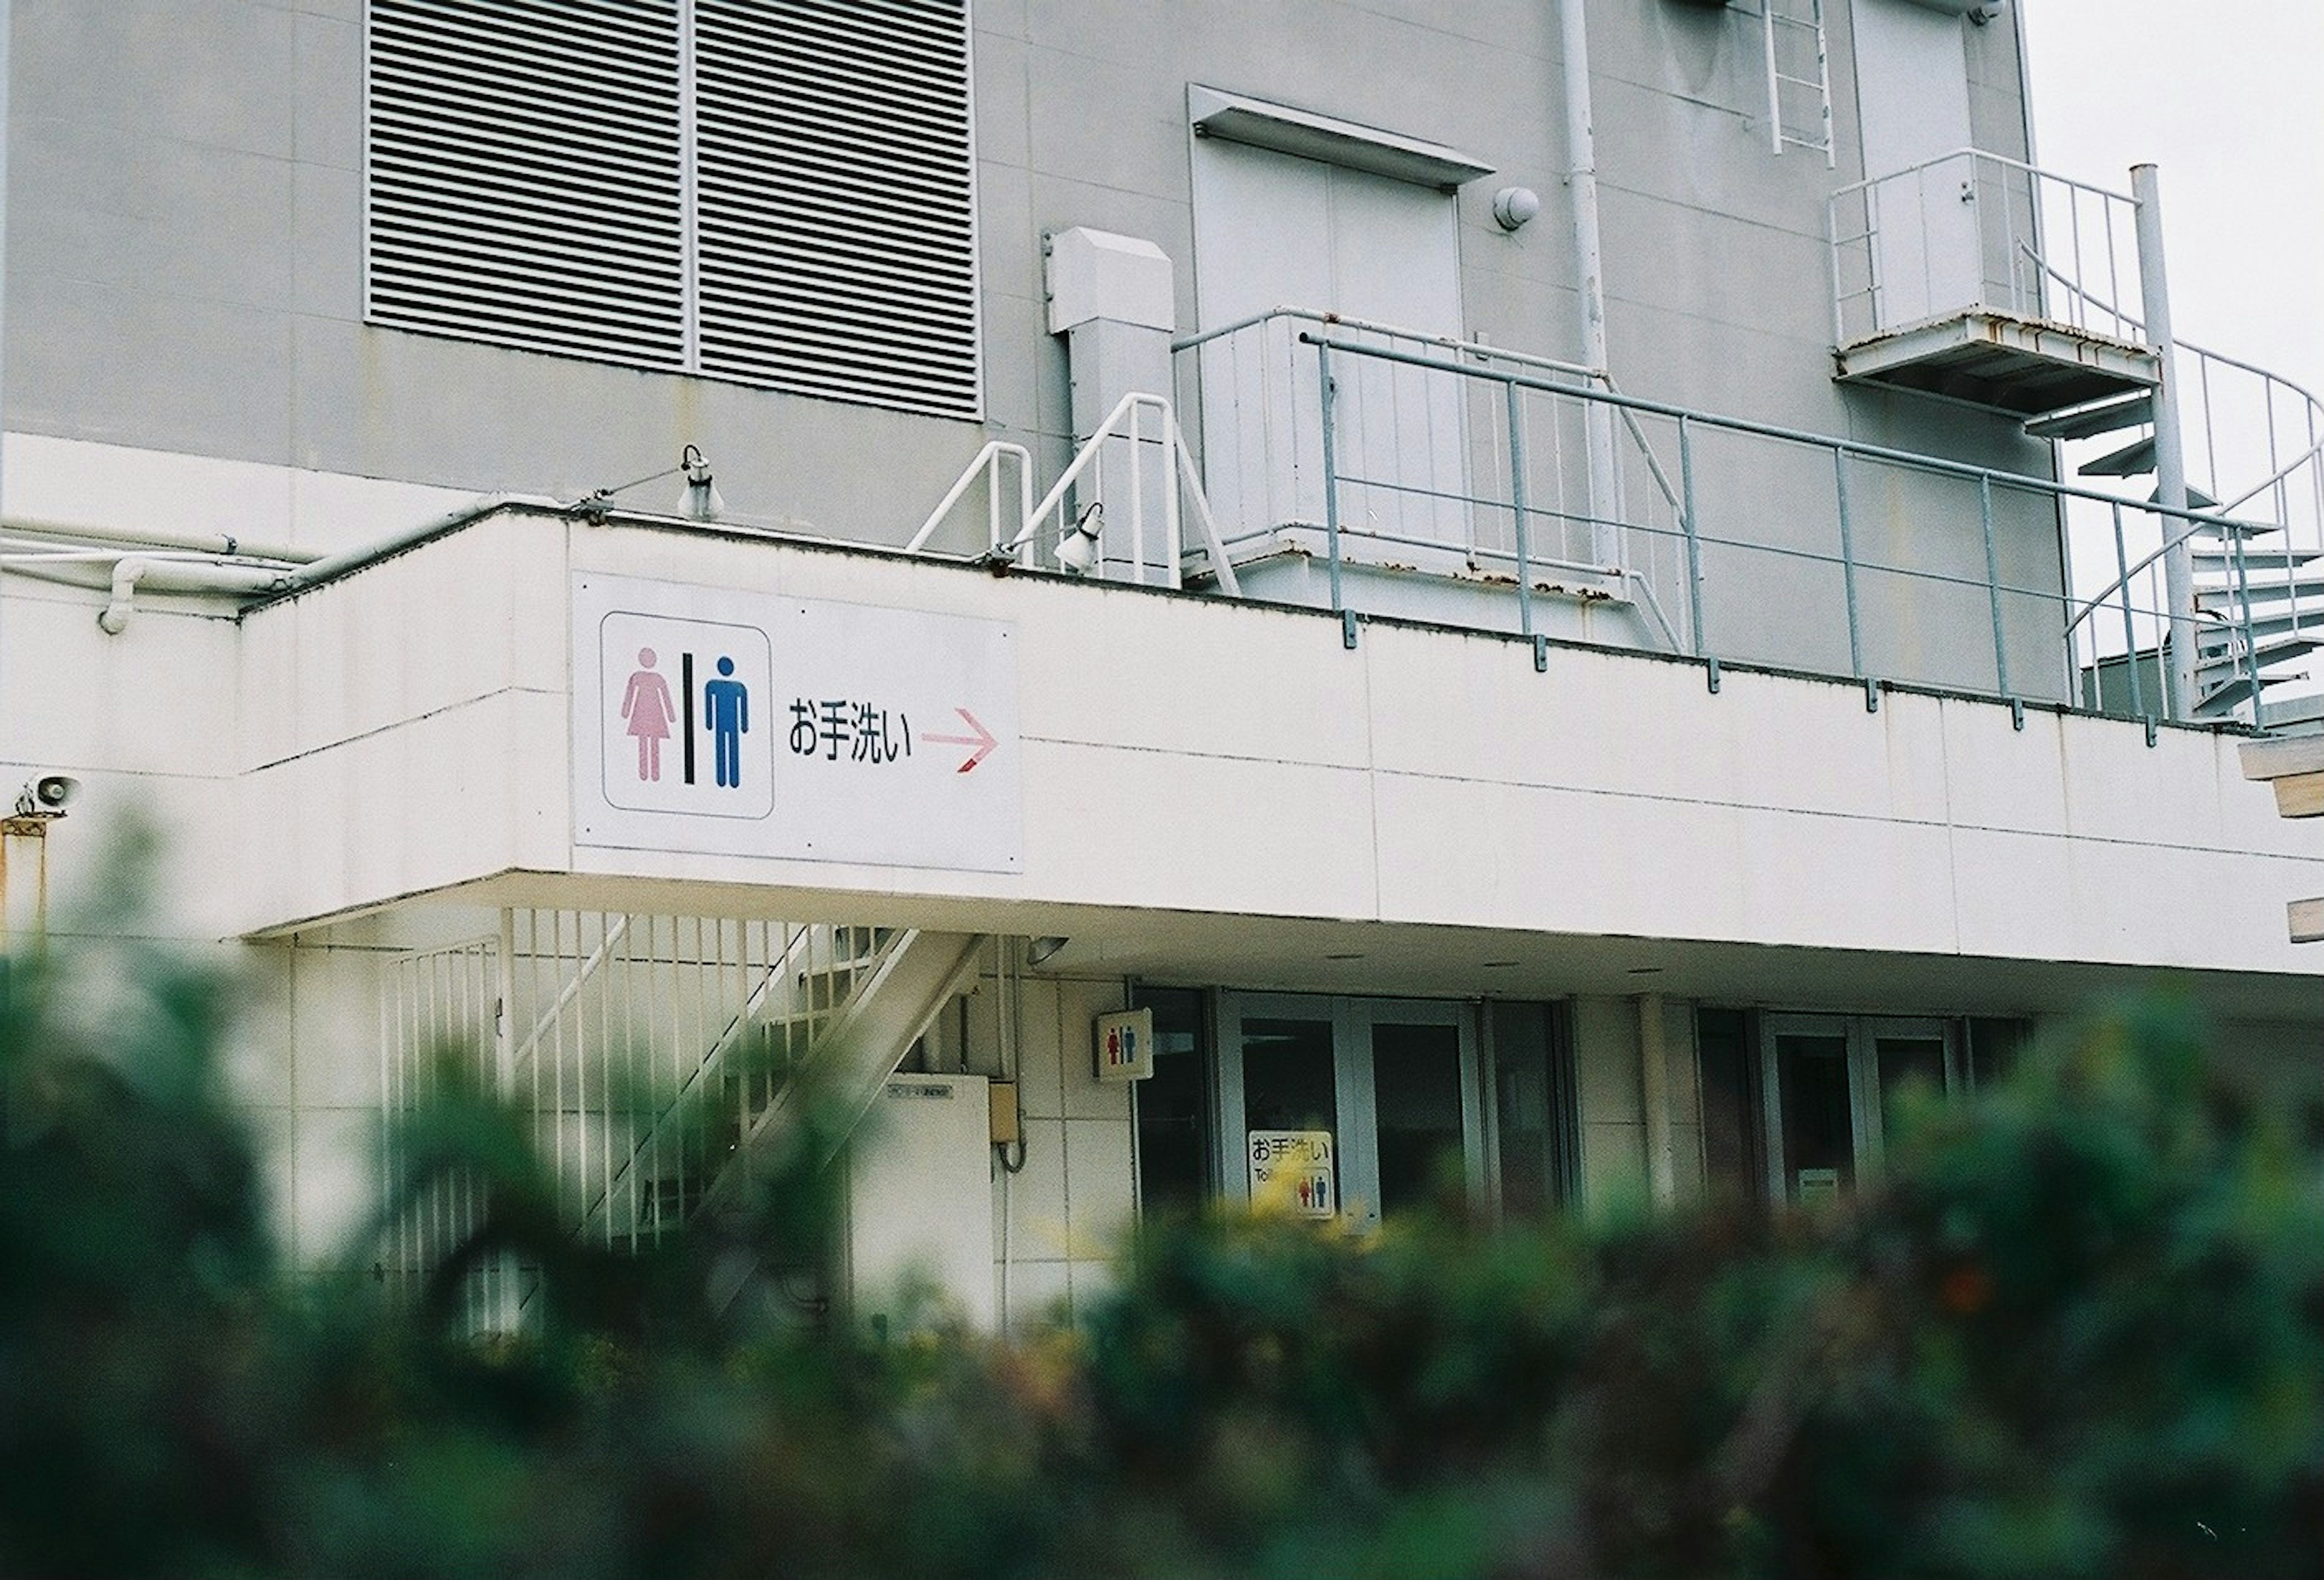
[[1175, 1168], [1833, 1084], [1376, 1104], [774, 191]]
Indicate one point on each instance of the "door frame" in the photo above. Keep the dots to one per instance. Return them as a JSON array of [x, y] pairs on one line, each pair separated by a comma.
[[1866, 1124], [1355, 1121]]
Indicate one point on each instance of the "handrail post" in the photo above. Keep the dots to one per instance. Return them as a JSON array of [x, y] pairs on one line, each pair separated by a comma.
[[1693, 538], [2170, 443], [2130, 628], [1331, 474], [2242, 579], [1847, 562], [1993, 588], [1517, 506]]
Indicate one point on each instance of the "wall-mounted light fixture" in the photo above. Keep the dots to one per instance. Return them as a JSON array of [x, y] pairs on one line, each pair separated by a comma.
[[1513, 206], [700, 501]]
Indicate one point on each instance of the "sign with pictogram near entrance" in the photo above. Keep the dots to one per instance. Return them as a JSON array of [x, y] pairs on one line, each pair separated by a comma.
[[1294, 1172], [713, 719]]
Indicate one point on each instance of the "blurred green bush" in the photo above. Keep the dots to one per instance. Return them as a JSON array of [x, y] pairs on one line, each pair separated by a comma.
[[2078, 1329]]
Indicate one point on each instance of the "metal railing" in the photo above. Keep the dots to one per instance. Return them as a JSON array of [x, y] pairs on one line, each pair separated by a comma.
[[2255, 444], [1807, 552], [1974, 231], [1405, 449], [1138, 463], [642, 1048]]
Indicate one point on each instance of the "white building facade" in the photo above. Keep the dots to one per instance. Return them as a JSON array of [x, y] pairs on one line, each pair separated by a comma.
[[1567, 596]]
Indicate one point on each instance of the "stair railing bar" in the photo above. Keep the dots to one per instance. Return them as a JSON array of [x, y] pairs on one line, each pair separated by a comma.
[[1692, 525], [1848, 562], [2241, 576], [2120, 319], [2129, 628], [1993, 588], [1331, 478], [1516, 398], [530, 1047], [824, 992]]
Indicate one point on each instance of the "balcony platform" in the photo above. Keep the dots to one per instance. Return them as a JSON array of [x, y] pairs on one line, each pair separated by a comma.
[[2026, 367]]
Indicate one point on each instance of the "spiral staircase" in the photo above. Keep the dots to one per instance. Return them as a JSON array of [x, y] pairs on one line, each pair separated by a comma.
[[2255, 473]]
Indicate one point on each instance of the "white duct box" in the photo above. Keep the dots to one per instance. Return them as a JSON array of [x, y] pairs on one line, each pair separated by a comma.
[[919, 1206]]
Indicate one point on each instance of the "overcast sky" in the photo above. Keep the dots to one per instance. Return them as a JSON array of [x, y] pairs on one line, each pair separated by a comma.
[[2228, 98]]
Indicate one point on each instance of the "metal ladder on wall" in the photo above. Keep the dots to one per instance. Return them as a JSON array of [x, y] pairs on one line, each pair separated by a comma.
[[1799, 78]]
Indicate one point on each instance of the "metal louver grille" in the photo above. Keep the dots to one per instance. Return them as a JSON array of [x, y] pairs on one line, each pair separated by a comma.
[[525, 174], [790, 205], [837, 240]]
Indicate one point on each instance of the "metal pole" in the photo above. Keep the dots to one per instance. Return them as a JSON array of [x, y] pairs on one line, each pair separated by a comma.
[[1589, 266], [2129, 628], [1694, 539], [1331, 476], [1517, 507], [6, 28], [1847, 565], [1993, 588], [2169, 444]]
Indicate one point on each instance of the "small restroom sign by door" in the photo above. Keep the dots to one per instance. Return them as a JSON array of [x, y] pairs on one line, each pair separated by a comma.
[[1293, 1171], [730, 722]]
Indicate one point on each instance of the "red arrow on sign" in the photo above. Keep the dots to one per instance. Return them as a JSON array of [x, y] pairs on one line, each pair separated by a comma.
[[983, 741]]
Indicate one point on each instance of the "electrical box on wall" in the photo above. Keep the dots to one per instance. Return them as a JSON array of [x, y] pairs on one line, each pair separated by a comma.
[[1125, 1046], [919, 1206]]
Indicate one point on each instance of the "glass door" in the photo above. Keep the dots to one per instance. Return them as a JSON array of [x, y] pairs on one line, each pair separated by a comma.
[[1347, 1106], [1831, 1084]]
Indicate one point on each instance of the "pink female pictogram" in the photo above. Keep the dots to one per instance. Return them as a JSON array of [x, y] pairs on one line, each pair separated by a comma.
[[647, 705]]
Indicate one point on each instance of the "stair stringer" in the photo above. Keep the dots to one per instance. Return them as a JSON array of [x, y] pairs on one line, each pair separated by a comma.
[[857, 1052]]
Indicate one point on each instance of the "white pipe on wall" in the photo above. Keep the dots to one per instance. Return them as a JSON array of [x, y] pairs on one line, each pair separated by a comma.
[[1589, 266]]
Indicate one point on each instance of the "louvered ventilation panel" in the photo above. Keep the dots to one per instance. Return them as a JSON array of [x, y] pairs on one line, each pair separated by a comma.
[[525, 174], [528, 173], [837, 241]]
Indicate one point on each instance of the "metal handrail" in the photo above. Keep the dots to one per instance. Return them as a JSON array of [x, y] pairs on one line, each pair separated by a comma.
[[1181, 481], [2099, 302], [2019, 165], [1856, 447], [1477, 348], [1844, 452]]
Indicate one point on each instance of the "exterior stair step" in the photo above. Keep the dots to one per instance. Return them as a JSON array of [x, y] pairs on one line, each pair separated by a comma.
[[2263, 627], [2219, 660], [2211, 704], [2222, 561], [2089, 422], [2134, 459], [2221, 598]]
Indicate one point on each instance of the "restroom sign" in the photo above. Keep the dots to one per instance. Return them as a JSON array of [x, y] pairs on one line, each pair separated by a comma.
[[730, 722], [1125, 1046], [1292, 1169]]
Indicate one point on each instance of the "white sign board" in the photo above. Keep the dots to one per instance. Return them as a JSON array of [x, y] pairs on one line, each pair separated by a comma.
[[1293, 1170], [1125, 1046], [727, 722]]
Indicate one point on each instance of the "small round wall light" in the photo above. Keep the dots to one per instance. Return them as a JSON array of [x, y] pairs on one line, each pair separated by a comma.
[[1514, 206]]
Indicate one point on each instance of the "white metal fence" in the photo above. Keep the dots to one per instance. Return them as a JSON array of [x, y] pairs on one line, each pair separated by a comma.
[[638, 1048], [1976, 231]]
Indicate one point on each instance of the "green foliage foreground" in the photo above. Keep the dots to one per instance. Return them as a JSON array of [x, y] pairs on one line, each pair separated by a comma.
[[2079, 1330]]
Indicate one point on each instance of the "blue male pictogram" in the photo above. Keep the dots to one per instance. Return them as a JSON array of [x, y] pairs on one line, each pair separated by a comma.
[[727, 702]]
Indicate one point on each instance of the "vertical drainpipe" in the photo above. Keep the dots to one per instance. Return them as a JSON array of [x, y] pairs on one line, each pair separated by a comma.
[[1589, 268], [6, 30], [2169, 443]]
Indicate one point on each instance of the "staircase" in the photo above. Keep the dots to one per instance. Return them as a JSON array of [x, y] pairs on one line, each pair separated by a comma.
[[2259, 585], [660, 1058]]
